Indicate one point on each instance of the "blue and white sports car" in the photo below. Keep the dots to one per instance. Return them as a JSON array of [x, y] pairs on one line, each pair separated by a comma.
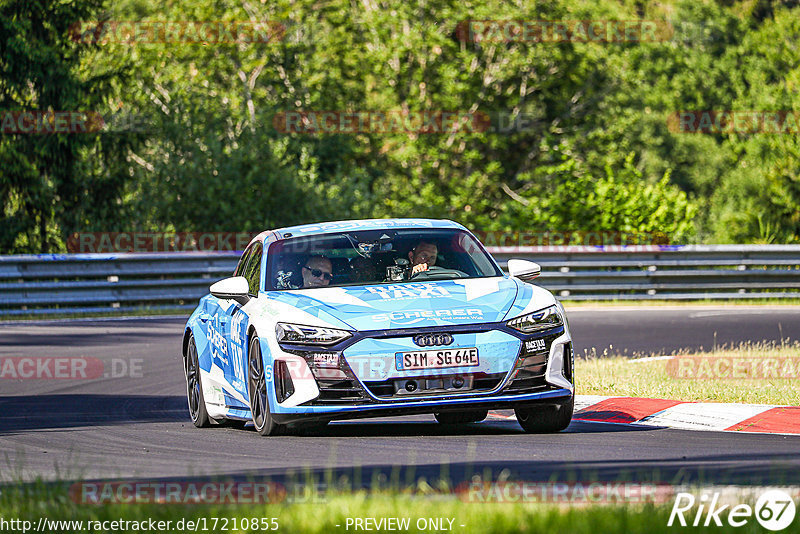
[[374, 318]]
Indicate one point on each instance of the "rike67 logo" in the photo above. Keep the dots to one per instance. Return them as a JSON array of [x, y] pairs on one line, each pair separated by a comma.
[[774, 510]]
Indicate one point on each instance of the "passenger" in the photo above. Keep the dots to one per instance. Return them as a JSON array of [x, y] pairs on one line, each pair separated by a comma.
[[317, 272]]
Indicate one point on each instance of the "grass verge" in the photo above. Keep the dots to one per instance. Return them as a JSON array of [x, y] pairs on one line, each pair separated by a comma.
[[336, 513], [751, 373]]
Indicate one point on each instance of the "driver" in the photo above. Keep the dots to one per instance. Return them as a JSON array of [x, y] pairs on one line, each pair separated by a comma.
[[423, 256]]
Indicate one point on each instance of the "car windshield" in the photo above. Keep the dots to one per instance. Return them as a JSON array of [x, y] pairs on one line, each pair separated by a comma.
[[377, 257]]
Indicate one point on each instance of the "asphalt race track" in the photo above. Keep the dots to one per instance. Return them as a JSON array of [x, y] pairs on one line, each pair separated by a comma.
[[132, 422], [667, 329]]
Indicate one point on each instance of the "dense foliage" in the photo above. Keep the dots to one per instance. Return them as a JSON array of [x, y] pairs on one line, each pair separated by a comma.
[[578, 140]]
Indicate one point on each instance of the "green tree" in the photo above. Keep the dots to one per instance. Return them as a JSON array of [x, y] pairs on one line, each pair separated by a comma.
[[45, 189], [590, 147]]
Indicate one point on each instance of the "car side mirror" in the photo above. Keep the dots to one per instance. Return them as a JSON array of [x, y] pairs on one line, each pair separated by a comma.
[[524, 270], [233, 288]]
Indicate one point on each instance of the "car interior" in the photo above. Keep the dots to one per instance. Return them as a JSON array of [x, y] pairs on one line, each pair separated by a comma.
[[365, 261]]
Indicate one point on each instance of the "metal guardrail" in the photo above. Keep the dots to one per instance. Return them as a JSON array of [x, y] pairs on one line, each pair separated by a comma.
[[657, 272], [78, 283], [89, 283]]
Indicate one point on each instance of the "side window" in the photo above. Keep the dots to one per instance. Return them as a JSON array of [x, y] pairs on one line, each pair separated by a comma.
[[253, 270], [239, 271]]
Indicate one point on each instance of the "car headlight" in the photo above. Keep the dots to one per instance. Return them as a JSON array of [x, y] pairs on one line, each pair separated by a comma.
[[309, 335], [537, 321]]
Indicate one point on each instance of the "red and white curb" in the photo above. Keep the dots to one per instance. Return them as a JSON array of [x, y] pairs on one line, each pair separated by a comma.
[[685, 415]]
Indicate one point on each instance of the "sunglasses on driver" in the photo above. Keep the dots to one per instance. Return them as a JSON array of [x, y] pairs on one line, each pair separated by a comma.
[[316, 273]]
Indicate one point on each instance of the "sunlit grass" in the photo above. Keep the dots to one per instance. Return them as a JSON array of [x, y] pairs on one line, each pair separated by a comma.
[[334, 512], [651, 377], [613, 303]]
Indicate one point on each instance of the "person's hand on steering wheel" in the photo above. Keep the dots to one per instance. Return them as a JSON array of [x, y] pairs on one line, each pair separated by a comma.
[[421, 267]]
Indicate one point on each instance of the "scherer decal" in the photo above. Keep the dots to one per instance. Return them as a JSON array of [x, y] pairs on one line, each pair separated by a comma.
[[219, 348], [408, 317]]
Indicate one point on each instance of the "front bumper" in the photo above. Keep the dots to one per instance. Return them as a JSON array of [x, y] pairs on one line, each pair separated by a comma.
[[555, 397], [515, 369]]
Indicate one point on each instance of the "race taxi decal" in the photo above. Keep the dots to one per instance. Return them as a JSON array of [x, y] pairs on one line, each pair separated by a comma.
[[409, 291]]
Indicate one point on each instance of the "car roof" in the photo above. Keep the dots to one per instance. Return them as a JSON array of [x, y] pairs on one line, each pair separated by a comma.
[[363, 224]]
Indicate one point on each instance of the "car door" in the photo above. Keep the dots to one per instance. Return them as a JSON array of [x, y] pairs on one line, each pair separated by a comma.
[[218, 321], [237, 327]]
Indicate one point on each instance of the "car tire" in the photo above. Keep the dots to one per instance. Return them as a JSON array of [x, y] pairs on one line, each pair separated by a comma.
[[194, 387], [545, 419], [458, 418], [257, 390]]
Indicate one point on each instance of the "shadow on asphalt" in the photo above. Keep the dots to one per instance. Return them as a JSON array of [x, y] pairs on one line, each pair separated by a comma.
[[755, 470], [41, 412], [769, 469], [399, 427]]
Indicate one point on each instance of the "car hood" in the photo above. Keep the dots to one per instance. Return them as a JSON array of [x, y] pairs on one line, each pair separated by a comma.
[[419, 304]]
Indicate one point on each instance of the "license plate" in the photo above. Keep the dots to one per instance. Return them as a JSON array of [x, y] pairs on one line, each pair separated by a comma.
[[436, 359]]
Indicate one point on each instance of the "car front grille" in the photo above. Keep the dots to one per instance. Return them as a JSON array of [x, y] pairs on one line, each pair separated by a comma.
[[528, 375], [398, 388], [525, 382], [339, 392], [336, 385]]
